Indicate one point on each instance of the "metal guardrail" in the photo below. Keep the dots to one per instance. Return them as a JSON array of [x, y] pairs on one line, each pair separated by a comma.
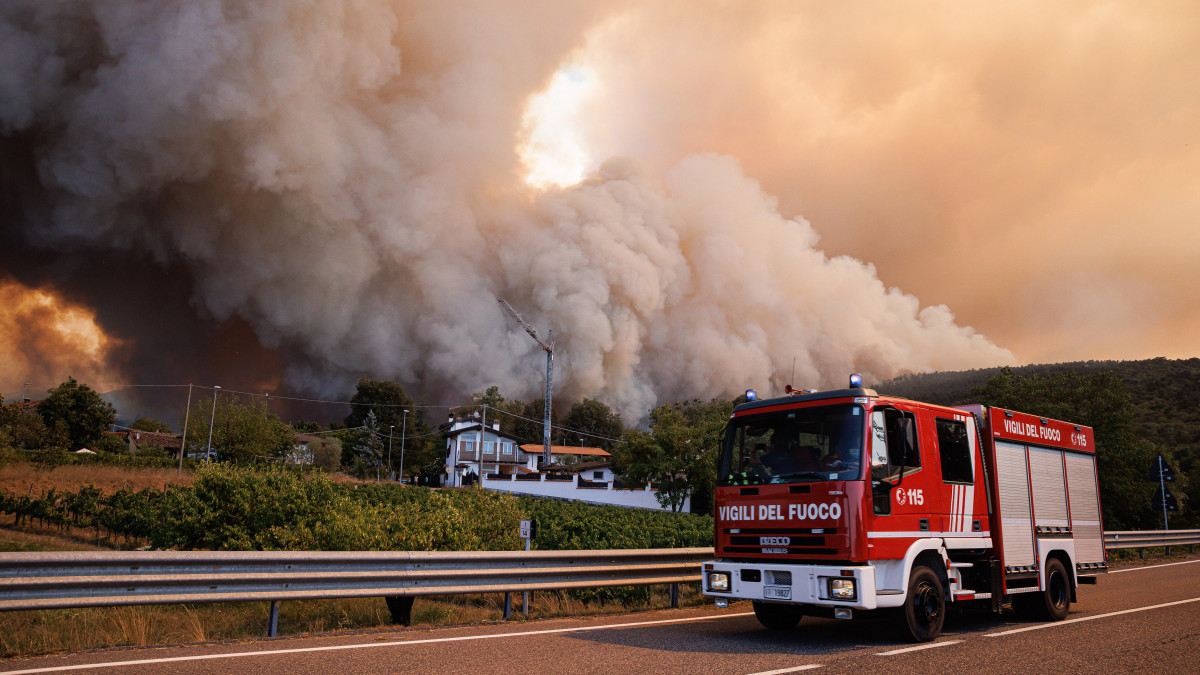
[[106, 579], [1144, 539], [59, 580]]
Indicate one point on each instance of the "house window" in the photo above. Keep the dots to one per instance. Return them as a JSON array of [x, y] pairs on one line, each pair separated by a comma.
[[506, 448], [466, 447], [489, 447], [597, 475]]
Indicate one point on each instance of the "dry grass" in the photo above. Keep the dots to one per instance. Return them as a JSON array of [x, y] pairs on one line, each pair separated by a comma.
[[24, 540], [20, 477], [46, 631]]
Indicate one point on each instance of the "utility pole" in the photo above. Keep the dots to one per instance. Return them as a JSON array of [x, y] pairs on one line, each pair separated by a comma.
[[479, 446], [403, 428], [211, 420], [183, 441], [548, 346], [1162, 487], [391, 430]]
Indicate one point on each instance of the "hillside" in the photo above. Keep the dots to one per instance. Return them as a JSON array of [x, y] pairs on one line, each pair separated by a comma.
[[1165, 392]]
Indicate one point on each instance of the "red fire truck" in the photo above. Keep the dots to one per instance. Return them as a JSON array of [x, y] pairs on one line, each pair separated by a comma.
[[836, 502]]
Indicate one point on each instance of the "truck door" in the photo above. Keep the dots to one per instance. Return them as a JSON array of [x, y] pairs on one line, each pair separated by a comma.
[[956, 455], [903, 504]]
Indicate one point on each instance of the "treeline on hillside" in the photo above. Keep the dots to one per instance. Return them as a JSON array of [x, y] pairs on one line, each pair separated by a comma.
[[1138, 409]]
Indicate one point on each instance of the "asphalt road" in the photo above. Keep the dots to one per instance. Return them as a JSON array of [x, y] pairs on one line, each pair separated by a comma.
[[1135, 619]]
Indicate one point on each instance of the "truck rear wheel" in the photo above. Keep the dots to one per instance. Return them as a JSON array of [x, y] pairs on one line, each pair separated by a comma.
[[1052, 604], [777, 617], [924, 608]]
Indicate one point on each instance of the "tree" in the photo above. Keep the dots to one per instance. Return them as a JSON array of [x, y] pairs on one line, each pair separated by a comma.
[[82, 411], [679, 453], [370, 446], [24, 428], [327, 453], [1098, 400], [386, 399], [506, 412], [592, 417], [240, 431], [112, 443], [146, 424], [528, 427]]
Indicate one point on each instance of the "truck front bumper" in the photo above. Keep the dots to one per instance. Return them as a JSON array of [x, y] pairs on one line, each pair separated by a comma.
[[825, 585]]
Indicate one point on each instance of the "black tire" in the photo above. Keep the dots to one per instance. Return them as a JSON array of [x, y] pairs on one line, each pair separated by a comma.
[[777, 617], [1052, 604], [924, 609]]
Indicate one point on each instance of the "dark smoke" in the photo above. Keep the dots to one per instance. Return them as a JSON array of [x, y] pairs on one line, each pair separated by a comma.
[[289, 195]]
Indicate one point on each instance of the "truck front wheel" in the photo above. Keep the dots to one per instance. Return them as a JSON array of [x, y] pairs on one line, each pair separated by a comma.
[[924, 608], [777, 617]]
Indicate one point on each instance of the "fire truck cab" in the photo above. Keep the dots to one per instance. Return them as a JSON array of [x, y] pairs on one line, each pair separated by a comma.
[[842, 502]]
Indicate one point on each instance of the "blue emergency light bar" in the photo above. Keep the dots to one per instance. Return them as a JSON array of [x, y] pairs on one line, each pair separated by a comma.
[[855, 381], [751, 395]]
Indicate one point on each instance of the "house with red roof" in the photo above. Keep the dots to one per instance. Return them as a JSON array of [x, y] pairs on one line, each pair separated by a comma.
[[500, 461]]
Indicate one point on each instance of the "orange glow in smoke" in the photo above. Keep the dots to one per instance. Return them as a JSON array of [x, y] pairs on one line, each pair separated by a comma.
[[45, 339]]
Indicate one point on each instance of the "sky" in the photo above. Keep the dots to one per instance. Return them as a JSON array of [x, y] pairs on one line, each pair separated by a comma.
[[695, 197]]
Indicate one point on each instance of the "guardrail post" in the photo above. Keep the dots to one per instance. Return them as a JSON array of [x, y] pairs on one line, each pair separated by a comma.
[[507, 606], [401, 608], [273, 622], [674, 596]]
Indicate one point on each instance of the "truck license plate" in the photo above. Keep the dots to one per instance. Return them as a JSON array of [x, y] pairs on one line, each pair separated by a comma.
[[777, 592]]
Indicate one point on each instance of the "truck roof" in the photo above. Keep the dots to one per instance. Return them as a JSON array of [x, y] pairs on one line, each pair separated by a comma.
[[802, 398]]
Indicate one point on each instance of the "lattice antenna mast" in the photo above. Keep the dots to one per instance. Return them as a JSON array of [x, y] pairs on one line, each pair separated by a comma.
[[548, 346]]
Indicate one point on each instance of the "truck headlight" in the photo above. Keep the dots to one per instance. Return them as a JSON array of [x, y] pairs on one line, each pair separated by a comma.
[[841, 588], [718, 581]]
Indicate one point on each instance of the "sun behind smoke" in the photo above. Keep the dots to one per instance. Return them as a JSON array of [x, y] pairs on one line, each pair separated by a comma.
[[554, 151], [44, 338]]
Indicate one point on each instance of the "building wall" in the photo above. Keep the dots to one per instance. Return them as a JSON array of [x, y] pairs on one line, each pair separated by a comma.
[[643, 498]]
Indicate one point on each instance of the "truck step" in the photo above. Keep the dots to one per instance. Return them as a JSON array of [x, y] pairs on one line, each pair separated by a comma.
[[957, 565]]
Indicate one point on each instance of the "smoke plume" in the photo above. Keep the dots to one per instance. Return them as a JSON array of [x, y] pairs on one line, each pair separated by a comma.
[[346, 178]]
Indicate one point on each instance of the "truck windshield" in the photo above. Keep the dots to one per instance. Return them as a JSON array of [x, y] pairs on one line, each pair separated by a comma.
[[793, 446]]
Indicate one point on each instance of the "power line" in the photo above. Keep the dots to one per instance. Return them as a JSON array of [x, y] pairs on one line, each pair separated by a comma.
[[374, 405], [553, 426]]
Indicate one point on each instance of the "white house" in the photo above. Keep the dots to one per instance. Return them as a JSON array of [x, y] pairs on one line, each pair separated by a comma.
[[579, 473], [501, 453]]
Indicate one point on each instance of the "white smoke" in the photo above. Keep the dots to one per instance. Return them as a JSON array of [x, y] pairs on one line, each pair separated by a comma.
[[345, 176]]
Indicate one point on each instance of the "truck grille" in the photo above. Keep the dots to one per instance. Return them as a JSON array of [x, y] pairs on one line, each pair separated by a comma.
[[790, 551], [801, 541], [741, 540], [779, 578]]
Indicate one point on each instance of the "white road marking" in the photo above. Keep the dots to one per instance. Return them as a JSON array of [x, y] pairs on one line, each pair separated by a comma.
[[1056, 624], [396, 643], [930, 645], [1150, 567], [789, 670]]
